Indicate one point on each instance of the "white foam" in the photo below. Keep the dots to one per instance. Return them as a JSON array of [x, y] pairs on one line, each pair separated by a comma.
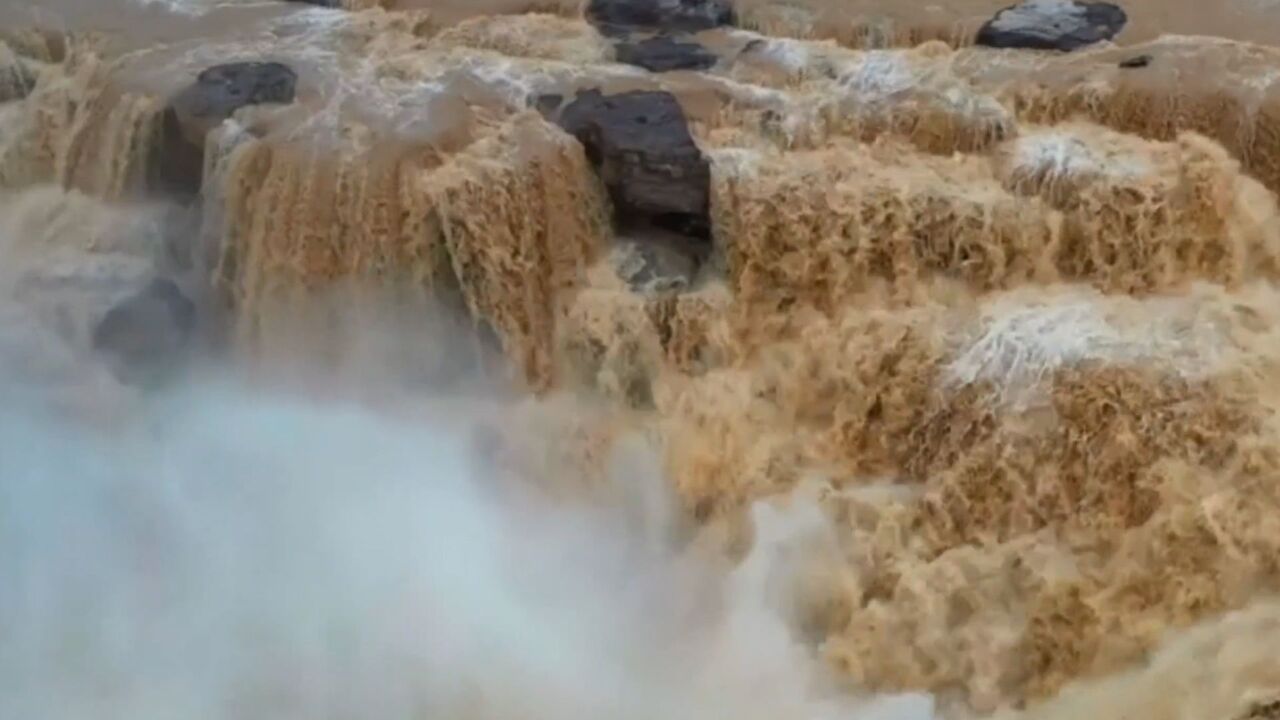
[[1064, 153], [736, 162], [882, 75], [230, 552], [197, 7], [794, 56], [1058, 153], [1023, 336]]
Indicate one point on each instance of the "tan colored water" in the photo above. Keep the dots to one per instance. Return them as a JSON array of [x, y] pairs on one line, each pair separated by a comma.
[[1246, 20], [1016, 314]]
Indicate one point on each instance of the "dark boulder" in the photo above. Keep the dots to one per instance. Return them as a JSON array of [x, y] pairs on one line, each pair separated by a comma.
[[665, 54], [146, 334], [216, 94], [620, 16], [1139, 61], [640, 145], [1063, 25]]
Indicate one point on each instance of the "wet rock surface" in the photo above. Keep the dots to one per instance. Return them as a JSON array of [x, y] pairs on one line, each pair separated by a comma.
[[16, 79], [1264, 711], [548, 104], [665, 54], [640, 145], [620, 16], [1062, 25], [222, 89], [655, 265], [145, 335], [216, 94]]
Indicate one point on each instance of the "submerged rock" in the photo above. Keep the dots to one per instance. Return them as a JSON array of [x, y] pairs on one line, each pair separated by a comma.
[[639, 143], [1139, 61], [1264, 711], [216, 94], [655, 266], [665, 54], [16, 78], [146, 334], [548, 104], [613, 16], [1053, 25]]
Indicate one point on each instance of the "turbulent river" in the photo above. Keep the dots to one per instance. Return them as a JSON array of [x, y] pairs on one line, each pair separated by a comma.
[[803, 359]]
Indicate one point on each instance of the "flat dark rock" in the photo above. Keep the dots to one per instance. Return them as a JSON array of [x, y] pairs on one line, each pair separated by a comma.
[[146, 333], [1139, 61], [1062, 25], [665, 54], [222, 89], [640, 144], [619, 16], [215, 95]]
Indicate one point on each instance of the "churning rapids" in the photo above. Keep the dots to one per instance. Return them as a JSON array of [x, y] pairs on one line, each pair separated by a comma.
[[688, 359]]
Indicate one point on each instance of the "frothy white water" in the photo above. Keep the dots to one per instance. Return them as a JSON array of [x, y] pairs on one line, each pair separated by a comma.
[[1023, 336], [196, 7], [232, 555]]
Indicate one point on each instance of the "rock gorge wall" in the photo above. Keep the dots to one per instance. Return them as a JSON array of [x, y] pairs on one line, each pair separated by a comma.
[[1016, 311]]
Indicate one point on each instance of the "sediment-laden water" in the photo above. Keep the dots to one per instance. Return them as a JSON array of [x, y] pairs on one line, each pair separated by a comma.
[[478, 360]]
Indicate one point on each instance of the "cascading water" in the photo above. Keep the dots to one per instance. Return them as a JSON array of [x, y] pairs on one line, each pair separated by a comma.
[[966, 407]]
